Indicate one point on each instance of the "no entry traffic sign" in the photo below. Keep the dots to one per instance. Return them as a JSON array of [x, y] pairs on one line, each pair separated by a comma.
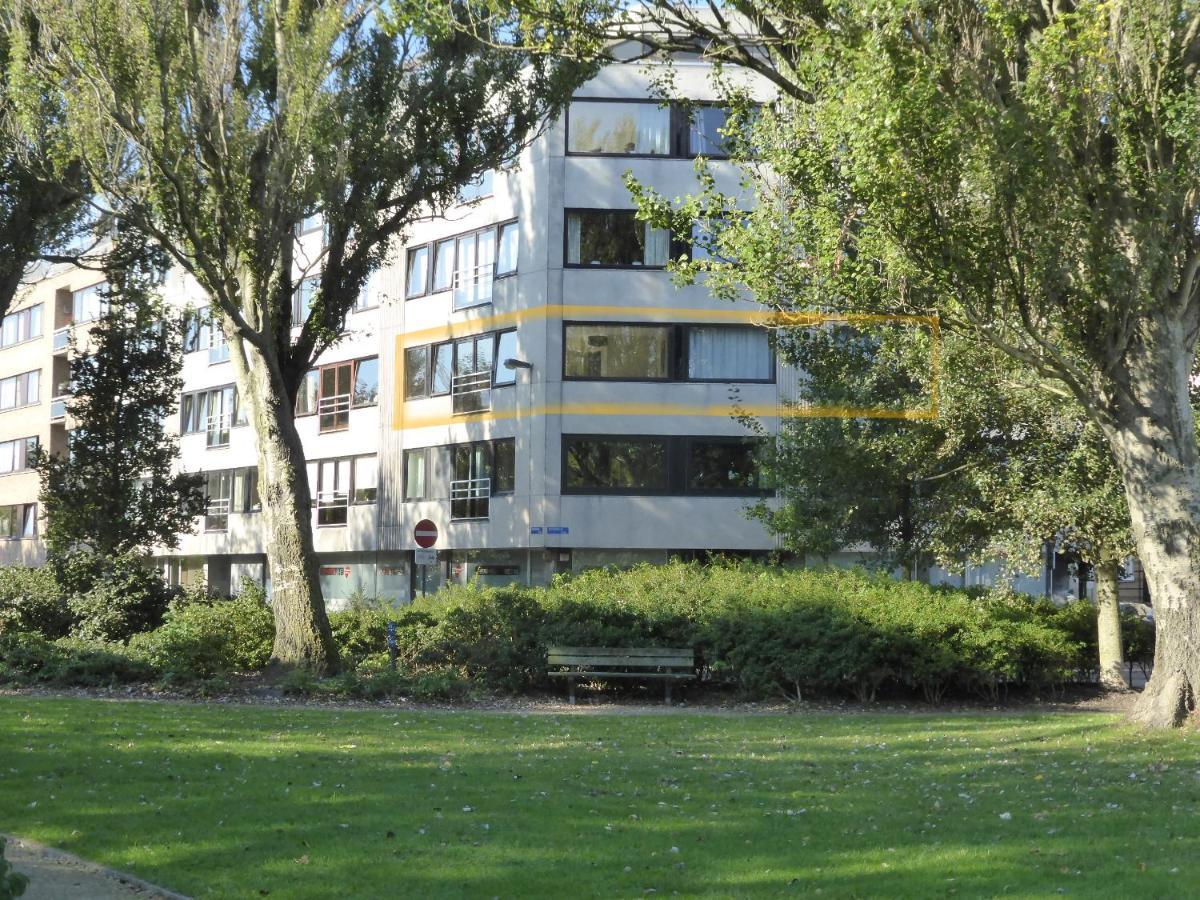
[[425, 534]]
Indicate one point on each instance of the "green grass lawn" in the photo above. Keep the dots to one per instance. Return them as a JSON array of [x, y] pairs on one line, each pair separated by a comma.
[[240, 801]]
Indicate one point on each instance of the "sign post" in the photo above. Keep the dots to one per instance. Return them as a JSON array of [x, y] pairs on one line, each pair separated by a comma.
[[425, 534]]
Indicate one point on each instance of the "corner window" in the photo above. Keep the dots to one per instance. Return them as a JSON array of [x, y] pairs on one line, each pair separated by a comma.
[[614, 238], [417, 279], [594, 464], [506, 348], [624, 129], [416, 464], [89, 303], [627, 352], [506, 254], [306, 397], [504, 466], [366, 382], [477, 188]]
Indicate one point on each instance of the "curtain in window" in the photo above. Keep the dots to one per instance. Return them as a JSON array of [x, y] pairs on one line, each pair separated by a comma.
[[653, 129], [658, 245], [728, 353], [574, 238]]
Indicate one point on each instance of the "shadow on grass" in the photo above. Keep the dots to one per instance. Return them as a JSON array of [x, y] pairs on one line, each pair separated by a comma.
[[236, 801]]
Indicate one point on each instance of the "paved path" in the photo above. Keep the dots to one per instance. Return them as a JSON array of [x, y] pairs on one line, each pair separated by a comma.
[[55, 875]]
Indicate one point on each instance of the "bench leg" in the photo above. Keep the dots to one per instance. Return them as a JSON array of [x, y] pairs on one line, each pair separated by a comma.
[[571, 689], [668, 698]]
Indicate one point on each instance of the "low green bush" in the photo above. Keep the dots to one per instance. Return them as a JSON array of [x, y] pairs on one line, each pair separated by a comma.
[[203, 637], [32, 601], [114, 599], [31, 659]]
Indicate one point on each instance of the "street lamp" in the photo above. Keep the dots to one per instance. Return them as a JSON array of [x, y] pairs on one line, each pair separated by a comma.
[[513, 364]]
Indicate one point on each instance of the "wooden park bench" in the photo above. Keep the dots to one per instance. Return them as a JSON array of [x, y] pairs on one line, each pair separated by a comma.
[[666, 663]]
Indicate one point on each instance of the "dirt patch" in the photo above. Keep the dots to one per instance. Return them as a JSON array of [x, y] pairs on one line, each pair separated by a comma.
[[54, 875], [258, 692]]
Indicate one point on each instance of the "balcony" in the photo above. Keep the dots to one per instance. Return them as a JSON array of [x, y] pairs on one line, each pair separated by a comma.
[[333, 507], [216, 427], [334, 412], [58, 408], [473, 286], [469, 498], [216, 514], [61, 340], [471, 391]]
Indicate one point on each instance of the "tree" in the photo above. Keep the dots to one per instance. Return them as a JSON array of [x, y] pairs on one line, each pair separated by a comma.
[[41, 190], [1028, 172], [1003, 468], [233, 121], [114, 492]]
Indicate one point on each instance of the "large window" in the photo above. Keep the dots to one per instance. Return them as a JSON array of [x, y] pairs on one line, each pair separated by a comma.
[[481, 469], [14, 455], [18, 522], [20, 390], [20, 326], [631, 352], [303, 298], [614, 238], [213, 412], [466, 264], [594, 464], [478, 188], [646, 128], [89, 303], [601, 464], [341, 483], [333, 390], [612, 127], [648, 352], [466, 368]]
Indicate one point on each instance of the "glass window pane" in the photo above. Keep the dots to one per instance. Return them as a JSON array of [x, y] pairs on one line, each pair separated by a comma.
[[416, 372], [506, 348], [414, 474], [366, 382], [464, 356], [614, 238], [365, 479], [634, 128], [615, 464], [506, 256], [504, 466], [418, 271], [704, 134], [443, 267], [722, 353], [617, 351], [728, 466], [443, 366], [485, 346], [306, 397]]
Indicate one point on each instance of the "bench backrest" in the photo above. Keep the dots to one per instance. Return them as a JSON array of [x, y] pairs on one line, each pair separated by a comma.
[[626, 658]]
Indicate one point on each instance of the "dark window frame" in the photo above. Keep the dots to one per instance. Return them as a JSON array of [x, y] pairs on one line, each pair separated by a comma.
[[424, 453], [430, 351], [430, 247], [677, 353], [679, 133], [568, 439], [676, 246]]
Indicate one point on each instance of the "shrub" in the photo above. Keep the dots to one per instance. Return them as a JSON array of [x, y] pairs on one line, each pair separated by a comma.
[[32, 601], [202, 638], [12, 884], [114, 599], [31, 659]]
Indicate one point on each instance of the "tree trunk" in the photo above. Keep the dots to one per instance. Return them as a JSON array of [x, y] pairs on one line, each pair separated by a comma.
[[1108, 626], [1151, 429], [302, 634]]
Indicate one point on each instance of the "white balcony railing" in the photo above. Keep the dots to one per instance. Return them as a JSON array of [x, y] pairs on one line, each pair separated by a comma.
[[473, 286], [217, 426], [216, 514], [332, 507], [469, 498], [472, 391], [61, 340], [334, 412]]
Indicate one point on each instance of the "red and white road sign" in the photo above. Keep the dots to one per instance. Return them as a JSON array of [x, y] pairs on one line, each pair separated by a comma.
[[425, 534]]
